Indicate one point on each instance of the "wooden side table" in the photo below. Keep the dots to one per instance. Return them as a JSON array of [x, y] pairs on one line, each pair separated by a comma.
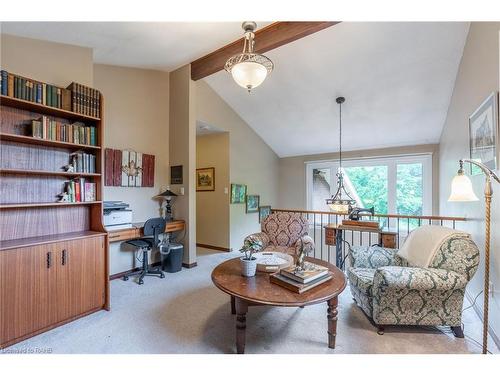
[[334, 237]]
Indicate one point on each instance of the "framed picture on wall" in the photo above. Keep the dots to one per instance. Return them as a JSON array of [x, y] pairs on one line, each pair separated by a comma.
[[252, 203], [176, 175], [205, 179], [483, 134], [264, 211], [238, 193]]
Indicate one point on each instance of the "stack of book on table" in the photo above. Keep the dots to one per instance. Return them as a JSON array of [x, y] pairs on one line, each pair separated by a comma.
[[301, 281]]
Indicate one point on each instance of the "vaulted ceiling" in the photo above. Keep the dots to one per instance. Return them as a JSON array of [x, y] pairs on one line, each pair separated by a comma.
[[148, 45], [397, 79]]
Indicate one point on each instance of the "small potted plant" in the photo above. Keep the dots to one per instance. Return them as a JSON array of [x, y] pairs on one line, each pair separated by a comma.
[[248, 261]]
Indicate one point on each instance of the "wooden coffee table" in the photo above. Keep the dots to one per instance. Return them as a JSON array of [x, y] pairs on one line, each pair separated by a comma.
[[258, 291]]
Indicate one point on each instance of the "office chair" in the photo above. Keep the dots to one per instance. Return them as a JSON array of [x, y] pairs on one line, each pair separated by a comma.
[[152, 229]]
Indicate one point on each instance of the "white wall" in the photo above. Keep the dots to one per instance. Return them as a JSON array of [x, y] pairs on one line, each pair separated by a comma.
[[477, 77], [55, 63], [136, 117], [182, 139], [252, 161]]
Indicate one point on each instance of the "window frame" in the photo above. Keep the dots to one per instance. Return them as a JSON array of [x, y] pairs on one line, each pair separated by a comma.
[[391, 162]]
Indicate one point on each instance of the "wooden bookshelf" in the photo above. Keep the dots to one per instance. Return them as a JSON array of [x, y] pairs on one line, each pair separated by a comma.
[[46, 204], [47, 173], [59, 248], [45, 109], [45, 142], [42, 240]]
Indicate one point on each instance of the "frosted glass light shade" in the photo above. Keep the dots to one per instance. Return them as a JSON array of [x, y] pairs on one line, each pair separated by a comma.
[[339, 208], [461, 189], [249, 74]]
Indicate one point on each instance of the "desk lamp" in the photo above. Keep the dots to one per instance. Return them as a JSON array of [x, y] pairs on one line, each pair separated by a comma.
[[167, 196], [461, 191]]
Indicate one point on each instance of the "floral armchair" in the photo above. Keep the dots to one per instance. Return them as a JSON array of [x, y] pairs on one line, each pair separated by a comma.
[[282, 231], [393, 292]]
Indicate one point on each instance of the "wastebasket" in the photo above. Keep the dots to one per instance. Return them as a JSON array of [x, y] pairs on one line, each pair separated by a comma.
[[172, 261]]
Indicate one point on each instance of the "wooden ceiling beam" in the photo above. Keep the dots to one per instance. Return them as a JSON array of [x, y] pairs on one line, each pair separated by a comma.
[[270, 37]]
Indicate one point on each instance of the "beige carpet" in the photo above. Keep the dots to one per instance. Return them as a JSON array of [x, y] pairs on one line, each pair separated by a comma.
[[185, 313]]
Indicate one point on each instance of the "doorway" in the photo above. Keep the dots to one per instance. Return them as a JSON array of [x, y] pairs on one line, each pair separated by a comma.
[[212, 192]]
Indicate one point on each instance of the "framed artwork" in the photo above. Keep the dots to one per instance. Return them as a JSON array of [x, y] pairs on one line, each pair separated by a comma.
[[128, 168], [483, 134], [205, 179], [176, 175], [252, 203], [264, 211], [238, 193]]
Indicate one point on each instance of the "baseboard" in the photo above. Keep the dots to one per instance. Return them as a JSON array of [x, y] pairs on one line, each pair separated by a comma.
[[212, 247], [479, 312], [189, 265], [121, 274]]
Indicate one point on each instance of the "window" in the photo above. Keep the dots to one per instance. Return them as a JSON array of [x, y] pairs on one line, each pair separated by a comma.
[[401, 185]]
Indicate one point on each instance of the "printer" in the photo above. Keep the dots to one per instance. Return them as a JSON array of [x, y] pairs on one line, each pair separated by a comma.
[[117, 215]]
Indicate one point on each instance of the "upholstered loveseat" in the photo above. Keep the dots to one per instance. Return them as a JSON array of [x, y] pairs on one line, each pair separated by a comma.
[[282, 231], [393, 291]]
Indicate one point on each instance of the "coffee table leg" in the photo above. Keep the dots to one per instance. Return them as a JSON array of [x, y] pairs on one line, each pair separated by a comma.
[[332, 313], [241, 324], [233, 306]]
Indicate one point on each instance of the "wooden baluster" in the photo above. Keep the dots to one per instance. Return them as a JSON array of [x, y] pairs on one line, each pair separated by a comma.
[[329, 247]]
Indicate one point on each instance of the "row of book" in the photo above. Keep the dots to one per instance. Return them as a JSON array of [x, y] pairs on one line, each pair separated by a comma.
[[79, 133], [83, 162], [76, 97], [300, 281], [85, 100], [80, 190], [38, 92]]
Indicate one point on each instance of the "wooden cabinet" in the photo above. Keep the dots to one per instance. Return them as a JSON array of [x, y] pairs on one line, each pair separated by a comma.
[[47, 285], [80, 276], [27, 279]]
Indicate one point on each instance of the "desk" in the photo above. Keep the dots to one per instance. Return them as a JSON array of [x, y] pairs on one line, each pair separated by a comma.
[[137, 230], [334, 237]]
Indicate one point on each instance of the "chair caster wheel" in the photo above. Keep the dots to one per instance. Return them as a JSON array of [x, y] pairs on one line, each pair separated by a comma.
[[380, 331], [162, 276], [125, 278], [141, 282]]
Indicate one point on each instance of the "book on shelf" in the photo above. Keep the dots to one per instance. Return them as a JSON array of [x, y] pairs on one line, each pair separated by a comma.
[[33, 91], [298, 287], [80, 190], [4, 82], [76, 97], [79, 133], [84, 99], [83, 162], [312, 272]]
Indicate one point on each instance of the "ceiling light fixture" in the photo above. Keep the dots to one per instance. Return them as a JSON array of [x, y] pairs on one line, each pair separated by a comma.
[[341, 202], [249, 69]]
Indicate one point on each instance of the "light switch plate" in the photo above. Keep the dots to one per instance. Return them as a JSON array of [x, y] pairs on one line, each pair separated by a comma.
[[181, 191], [226, 190]]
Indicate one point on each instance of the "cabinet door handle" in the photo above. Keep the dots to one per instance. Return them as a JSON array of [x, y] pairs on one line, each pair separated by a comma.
[[49, 259], [64, 257]]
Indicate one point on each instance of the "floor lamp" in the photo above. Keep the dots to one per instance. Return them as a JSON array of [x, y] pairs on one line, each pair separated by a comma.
[[461, 191]]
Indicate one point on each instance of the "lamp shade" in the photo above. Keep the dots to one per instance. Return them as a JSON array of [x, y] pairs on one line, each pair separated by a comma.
[[339, 208], [461, 189], [167, 193], [249, 74]]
